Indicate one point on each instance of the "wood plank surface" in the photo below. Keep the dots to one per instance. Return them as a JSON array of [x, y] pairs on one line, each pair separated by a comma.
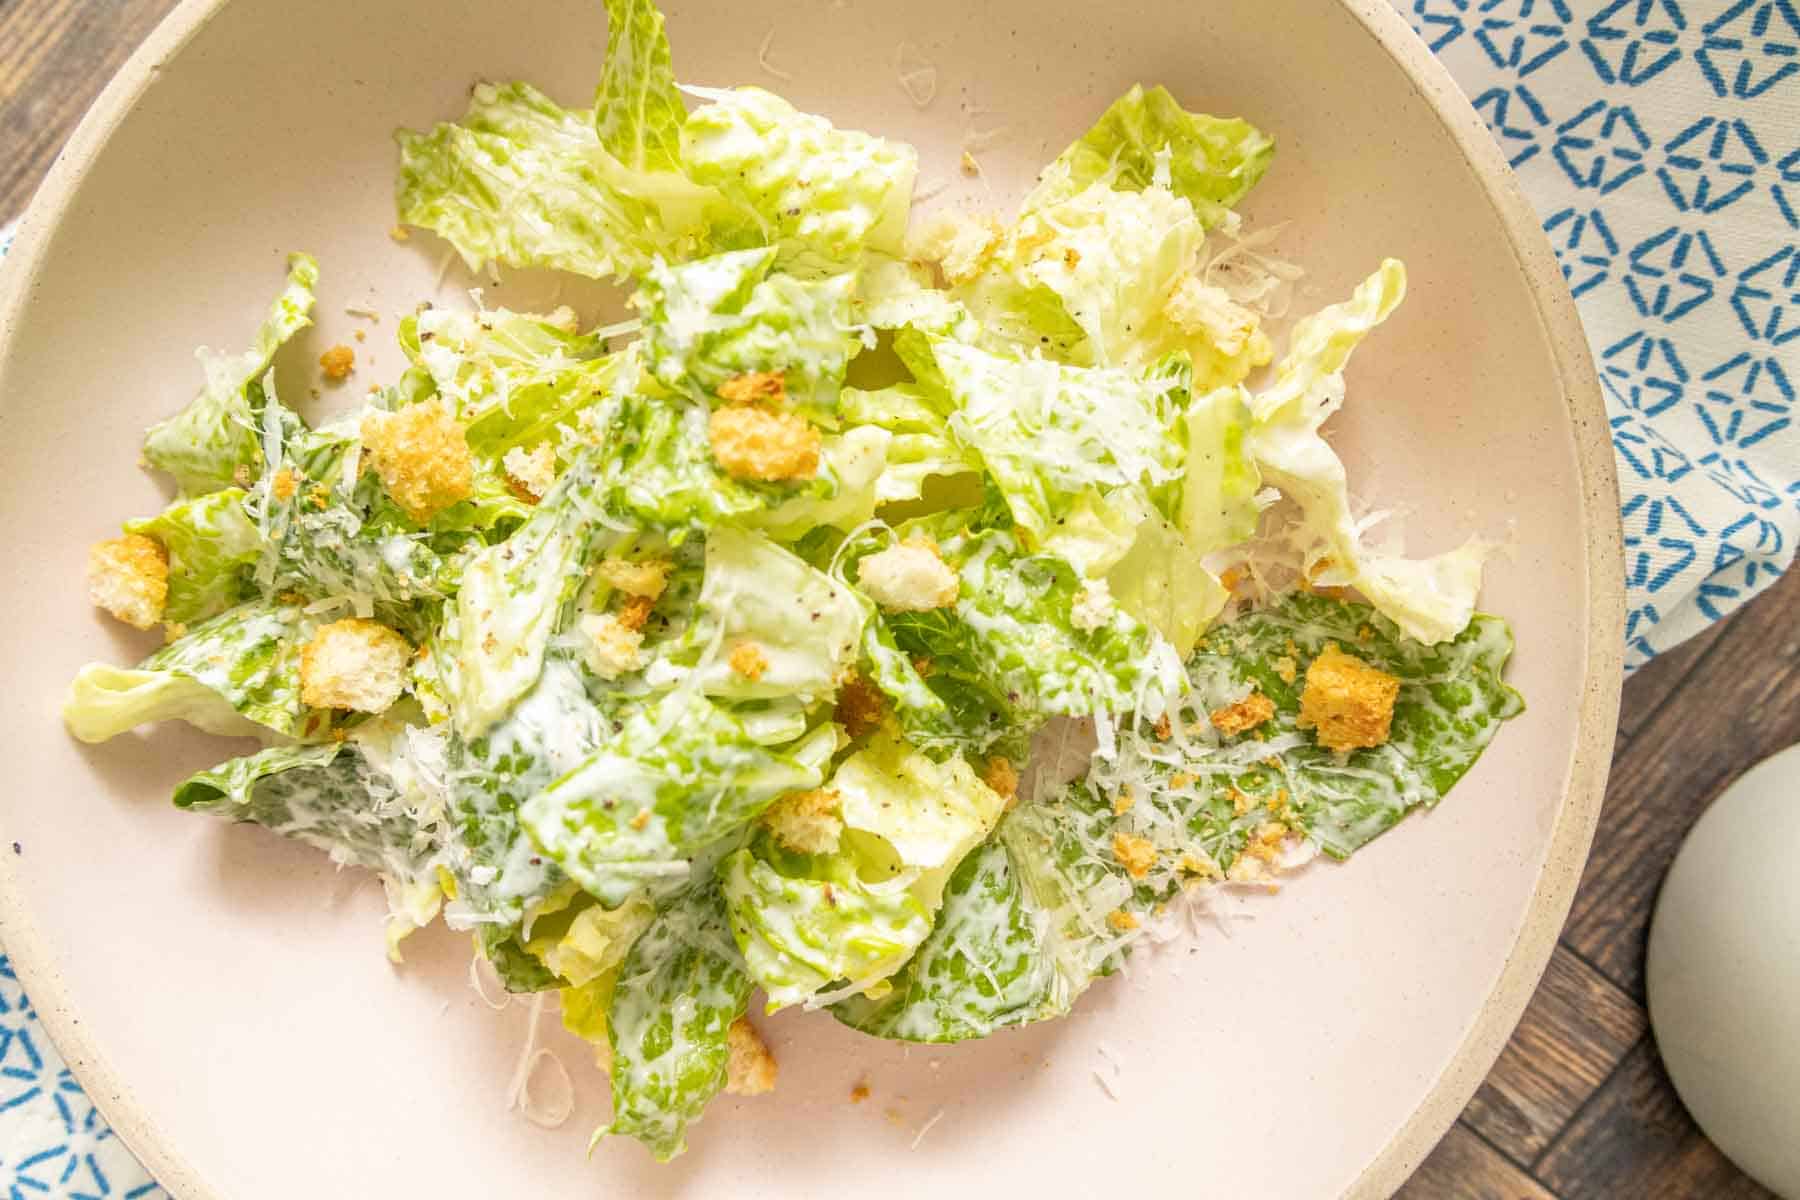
[[1578, 1105]]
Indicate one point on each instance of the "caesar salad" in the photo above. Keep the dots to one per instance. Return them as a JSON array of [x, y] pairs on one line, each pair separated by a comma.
[[718, 653]]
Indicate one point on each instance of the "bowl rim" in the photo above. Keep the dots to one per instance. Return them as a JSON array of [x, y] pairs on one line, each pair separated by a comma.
[[1576, 817]]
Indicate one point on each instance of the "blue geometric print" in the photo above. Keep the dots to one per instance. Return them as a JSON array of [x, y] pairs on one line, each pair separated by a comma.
[[1660, 143]]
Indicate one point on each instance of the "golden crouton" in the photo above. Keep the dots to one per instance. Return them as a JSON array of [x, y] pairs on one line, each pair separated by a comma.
[[338, 362], [1348, 702], [532, 472], [806, 822], [355, 664], [646, 579], [751, 1069], [634, 614], [1136, 854], [757, 386], [129, 577], [910, 577], [612, 647], [422, 457], [859, 706], [1245, 715], [1000, 775], [285, 484], [752, 442], [749, 661]]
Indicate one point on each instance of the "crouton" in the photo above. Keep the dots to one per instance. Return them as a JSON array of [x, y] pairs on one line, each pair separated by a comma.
[[355, 664], [532, 471], [757, 386], [1136, 854], [750, 1071], [1245, 715], [749, 661], [338, 362], [646, 579], [634, 614], [611, 649], [284, 484], [859, 706], [1197, 308], [421, 455], [752, 442], [129, 578], [1092, 606], [910, 577], [957, 243], [807, 822], [1348, 703], [1000, 775]]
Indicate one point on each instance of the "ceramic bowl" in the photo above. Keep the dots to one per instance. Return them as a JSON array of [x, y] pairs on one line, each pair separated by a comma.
[[223, 994]]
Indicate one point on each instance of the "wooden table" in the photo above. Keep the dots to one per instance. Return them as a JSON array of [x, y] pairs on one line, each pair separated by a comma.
[[1578, 1105]]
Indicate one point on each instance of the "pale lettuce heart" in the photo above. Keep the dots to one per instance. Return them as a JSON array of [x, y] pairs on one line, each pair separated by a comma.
[[1431, 599], [1144, 138], [822, 195], [761, 600], [213, 443], [920, 445]]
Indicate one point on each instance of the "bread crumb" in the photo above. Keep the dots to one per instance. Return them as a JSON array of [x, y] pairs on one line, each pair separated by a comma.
[[354, 664], [859, 1092], [1164, 731], [284, 484], [612, 649], [807, 822], [640, 820], [1136, 854], [421, 455], [129, 578], [534, 470], [634, 614], [646, 579], [399, 233], [1286, 668], [750, 1070], [957, 243], [770, 386], [909, 577], [1121, 921], [1123, 800], [1000, 775], [751, 442], [1245, 715], [1349, 703], [749, 661], [338, 362], [860, 706]]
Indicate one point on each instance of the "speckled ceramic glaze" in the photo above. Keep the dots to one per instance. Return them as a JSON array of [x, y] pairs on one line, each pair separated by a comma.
[[223, 994]]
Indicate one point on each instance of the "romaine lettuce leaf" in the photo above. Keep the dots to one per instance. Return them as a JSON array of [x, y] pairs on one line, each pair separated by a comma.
[[246, 658], [212, 443], [804, 922], [820, 194], [678, 777], [1431, 599], [525, 182], [920, 446], [211, 543], [1212, 162], [678, 992], [715, 319], [638, 111], [804, 624]]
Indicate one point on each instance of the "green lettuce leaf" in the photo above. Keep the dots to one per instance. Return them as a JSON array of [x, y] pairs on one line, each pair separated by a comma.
[[1432, 599], [638, 111], [211, 543], [1212, 162], [678, 992], [678, 777], [822, 195], [212, 443], [805, 624], [245, 661], [713, 319]]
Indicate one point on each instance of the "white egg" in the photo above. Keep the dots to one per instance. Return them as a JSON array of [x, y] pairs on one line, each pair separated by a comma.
[[1724, 972]]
